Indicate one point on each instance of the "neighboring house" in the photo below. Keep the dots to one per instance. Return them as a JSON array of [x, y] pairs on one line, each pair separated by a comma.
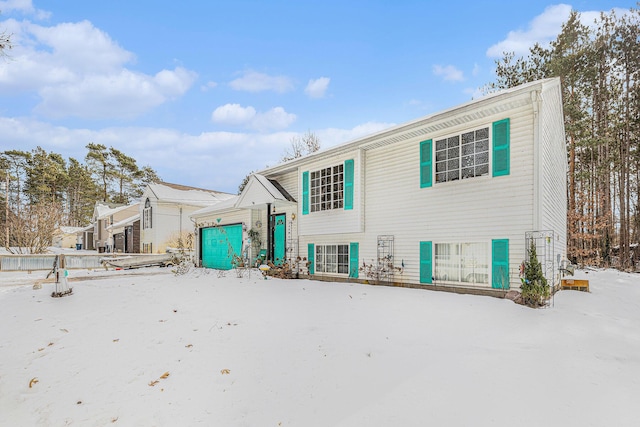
[[104, 217], [126, 234], [164, 213], [444, 201], [67, 237], [85, 237]]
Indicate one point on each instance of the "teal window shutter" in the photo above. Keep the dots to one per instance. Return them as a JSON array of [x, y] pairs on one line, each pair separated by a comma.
[[426, 263], [311, 256], [501, 151], [353, 260], [305, 193], [348, 184], [500, 264], [426, 163]]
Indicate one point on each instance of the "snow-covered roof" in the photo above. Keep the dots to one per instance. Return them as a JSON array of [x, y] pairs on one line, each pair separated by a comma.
[[101, 209], [126, 221], [181, 194], [230, 203], [258, 192], [112, 211], [71, 230]]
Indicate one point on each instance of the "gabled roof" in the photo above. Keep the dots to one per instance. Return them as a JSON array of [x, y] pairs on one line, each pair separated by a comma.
[[486, 106], [102, 208], [126, 221], [258, 192], [104, 213], [182, 194]]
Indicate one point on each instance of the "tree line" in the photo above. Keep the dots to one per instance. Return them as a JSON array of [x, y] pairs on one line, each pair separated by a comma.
[[42, 191], [599, 68]]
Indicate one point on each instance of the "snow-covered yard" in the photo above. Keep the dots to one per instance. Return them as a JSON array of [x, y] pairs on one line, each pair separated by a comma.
[[155, 349]]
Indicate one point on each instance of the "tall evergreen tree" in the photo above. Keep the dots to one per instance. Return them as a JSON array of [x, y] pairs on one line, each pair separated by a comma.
[[125, 171], [82, 193], [101, 166], [46, 177], [598, 67]]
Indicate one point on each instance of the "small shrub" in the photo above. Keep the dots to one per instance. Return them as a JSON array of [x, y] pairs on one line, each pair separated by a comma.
[[534, 289]]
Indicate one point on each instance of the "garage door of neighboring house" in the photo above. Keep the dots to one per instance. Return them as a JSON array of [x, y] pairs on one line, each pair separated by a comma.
[[219, 244]]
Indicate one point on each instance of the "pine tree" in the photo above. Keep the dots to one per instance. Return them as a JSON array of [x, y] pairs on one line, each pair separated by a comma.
[[534, 288], [99, 161]]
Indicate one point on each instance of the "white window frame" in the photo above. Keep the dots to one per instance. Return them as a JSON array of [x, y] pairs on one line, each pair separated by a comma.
[[146, 215], [462, 262], [462, 156], [332, 259], [326, 188]]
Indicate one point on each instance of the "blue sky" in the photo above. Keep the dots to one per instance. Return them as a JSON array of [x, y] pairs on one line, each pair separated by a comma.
[[205, 92]]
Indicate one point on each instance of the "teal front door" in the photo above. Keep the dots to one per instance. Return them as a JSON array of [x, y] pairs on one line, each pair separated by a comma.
[[220, 244], [279, 236]]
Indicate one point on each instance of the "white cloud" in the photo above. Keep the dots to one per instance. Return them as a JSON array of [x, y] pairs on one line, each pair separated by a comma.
[[252, 81], [236, 115], [333, 136], [177, 157], [23, 6], [318, 87], [542, 29], [78, 70], [233, 114], [123, 95], [275, 118], [448, 73]]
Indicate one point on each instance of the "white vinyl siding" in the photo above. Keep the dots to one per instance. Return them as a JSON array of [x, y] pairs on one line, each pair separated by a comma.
[[335, 220], [530, 195], [475, 210], [553, 180]]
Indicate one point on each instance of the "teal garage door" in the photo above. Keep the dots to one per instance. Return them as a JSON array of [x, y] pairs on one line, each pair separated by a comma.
[[219, 244]]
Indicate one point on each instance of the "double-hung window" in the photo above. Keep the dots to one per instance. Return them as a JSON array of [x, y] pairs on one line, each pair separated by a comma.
[[146, 215], [462, 156], [327, 188], [332, 259]]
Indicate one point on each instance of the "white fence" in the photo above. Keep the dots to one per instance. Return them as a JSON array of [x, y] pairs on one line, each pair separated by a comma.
[[45, 262]]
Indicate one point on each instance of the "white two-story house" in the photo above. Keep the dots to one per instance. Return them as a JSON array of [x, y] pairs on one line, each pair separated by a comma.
[[444, 201], [165, 210]]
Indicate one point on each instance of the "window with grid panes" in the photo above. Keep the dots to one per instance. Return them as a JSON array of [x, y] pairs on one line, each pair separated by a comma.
[[332, 259], [462, 156], [327, 188]]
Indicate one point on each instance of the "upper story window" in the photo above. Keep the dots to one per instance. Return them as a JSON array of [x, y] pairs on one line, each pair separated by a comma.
[[327, 188], [146, 214], [462, 156]]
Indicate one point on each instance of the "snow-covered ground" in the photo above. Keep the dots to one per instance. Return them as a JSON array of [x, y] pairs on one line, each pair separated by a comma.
[[155, 349]]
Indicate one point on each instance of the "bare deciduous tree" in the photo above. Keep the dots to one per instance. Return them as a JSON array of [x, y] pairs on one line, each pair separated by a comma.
[[33, 228], [5, 43], [301, 146]]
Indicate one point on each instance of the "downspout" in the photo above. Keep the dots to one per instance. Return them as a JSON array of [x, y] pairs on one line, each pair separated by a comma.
[[536, 100]]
